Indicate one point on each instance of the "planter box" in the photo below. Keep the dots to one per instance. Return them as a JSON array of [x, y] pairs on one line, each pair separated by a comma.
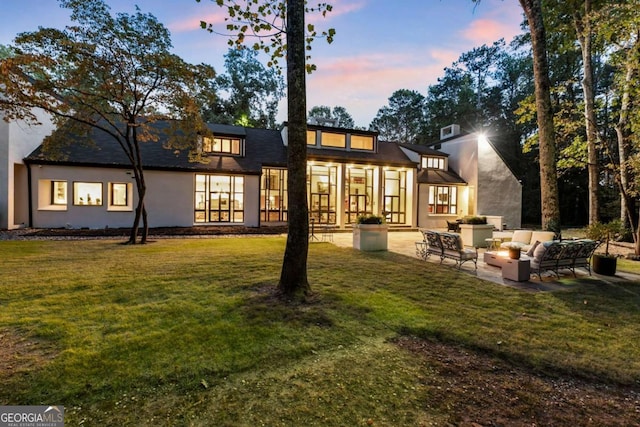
[[370, 237], [476, 234], [604, 265]]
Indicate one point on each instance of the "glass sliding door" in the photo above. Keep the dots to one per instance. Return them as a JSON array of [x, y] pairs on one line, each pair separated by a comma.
[[273, 195], [322, 193], [359, 190], [395, 196]]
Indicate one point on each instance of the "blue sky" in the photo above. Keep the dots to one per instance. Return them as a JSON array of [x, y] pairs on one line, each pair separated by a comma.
[[380, 45]]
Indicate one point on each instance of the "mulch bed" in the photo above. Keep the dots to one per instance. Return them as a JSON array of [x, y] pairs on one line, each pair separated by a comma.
[[479, 390]]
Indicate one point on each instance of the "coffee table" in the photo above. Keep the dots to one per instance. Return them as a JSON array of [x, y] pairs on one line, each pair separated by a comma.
[[518, 270]]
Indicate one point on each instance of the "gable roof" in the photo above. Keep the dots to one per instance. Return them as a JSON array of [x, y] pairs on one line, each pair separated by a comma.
[[439, 176], [423, 149]]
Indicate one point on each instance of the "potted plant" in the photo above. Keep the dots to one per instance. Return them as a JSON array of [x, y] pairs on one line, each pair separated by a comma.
[[514, 251], [370, 233], [606, 263]]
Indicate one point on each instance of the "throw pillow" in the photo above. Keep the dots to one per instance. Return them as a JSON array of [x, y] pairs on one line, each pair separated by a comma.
[[532, 248]]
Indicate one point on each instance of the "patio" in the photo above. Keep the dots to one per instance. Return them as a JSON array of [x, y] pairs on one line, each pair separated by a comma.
[[403, 242]]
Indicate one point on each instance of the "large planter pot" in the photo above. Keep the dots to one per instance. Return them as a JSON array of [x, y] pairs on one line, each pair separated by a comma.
[[605, 265], [476, 235], [370, 237]]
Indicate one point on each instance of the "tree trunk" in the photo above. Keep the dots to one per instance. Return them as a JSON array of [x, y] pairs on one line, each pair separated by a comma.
[[547, 144], [584, 33], [293, 277]]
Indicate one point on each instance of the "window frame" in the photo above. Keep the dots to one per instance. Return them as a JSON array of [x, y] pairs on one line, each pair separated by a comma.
[[75, 193]]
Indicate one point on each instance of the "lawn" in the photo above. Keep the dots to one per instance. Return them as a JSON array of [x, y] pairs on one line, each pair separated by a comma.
[[188, 332]]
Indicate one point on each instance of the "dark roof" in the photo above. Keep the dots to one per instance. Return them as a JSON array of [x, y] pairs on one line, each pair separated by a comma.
[[423, 149], [263, 147], [438, 176], [388, 154]]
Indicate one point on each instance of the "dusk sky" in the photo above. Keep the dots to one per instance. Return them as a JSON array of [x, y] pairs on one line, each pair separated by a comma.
[[380, 45]]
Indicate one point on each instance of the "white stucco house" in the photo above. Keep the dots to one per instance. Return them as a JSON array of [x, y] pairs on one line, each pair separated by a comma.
[[350, 173]]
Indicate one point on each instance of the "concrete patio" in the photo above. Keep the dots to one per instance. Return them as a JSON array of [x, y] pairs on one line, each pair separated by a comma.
[[403, 242]]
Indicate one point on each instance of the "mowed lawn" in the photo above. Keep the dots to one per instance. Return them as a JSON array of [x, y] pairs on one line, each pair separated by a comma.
[[188, 332]]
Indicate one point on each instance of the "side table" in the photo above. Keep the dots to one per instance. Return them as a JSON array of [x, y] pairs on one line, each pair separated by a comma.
[[518, 270]]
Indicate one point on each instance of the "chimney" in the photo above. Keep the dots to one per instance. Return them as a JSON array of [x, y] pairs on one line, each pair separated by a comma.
[[449, 131]]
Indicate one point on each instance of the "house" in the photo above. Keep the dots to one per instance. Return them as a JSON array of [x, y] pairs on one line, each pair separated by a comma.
[[243, 182]]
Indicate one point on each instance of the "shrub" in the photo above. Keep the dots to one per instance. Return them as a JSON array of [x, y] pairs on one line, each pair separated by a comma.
[[370, 219], [474, 220]]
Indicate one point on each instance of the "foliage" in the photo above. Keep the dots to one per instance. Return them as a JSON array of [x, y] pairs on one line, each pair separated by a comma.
[[252, 92], [403, 119], [370, 219], [155, 336], [603, 232], [469, 219], [265, 22], [339, 116], [113, 74]]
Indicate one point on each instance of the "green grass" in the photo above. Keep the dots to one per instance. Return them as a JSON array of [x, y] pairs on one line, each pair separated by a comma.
[[187, 332]]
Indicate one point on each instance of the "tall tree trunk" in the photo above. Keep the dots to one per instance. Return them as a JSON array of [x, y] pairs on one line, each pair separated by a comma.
[[547, 143], [583, 30], [626, 216], [293, 276]]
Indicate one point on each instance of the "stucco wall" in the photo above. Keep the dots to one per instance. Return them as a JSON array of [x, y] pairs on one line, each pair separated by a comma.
[[463, 160], [17, 140], [169, 199]]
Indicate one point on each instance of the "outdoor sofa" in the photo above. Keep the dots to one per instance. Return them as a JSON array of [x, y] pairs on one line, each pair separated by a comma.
[[445, 245], [556, 255], [526, 239]]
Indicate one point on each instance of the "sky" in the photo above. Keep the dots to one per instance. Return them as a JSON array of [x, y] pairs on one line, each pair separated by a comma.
[[380, 45]]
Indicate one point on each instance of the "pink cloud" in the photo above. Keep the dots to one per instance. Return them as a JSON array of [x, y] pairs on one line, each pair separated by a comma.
[[486, 31], [193, 24]]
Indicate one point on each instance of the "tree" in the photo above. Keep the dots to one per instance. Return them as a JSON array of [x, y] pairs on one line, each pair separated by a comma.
[[403, 120], [339, 116], [282, 24], [252, 91], [113, 74], [546, 137]]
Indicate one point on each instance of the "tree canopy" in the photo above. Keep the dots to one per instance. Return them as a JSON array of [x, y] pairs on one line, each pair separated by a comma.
[[114, 74]]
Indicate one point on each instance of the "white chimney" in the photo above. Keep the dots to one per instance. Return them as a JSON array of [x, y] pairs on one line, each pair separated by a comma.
[[449, 131]]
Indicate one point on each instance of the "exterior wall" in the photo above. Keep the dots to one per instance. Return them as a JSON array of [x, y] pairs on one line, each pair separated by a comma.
[[17, 140], [499, 191], [169, 199], [493, 189]]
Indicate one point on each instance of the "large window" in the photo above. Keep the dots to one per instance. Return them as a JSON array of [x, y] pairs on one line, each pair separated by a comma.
[[311, 137], [273, 195], [337, 140], [221, 145], [361, 142], [395, 196], [87, 193], [321, 182], [219, 198], [359, 199], [443, 200]]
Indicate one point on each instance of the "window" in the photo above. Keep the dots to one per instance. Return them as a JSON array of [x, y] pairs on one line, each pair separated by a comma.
[[361, 142], [87, 193], [219, 198], [322, 185], [433, 162], [118, 194], [221, 145], [273, 195], [443, 200], [311, 137], [359, 193], [330, 139], [395, 196], [59, 192]]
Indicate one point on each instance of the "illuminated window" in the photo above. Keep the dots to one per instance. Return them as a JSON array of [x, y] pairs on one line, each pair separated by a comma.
[[58, 192], [395, 196], [443, 200], [222, 145], [273, 195], [361, 142], [338, 140], [311, 137], [433, 162], [87, 193], [219, 198], [118, 194]]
